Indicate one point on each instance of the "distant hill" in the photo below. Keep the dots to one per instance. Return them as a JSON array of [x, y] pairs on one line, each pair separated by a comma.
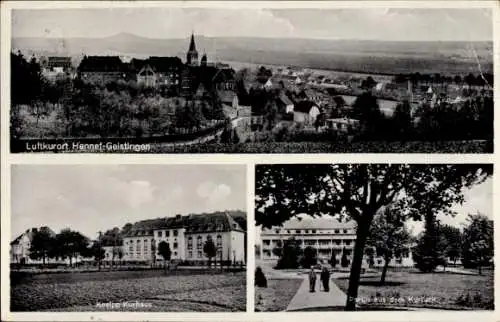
[[375, 56]]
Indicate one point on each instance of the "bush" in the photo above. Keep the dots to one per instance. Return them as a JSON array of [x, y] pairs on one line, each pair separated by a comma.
[[260, 278]]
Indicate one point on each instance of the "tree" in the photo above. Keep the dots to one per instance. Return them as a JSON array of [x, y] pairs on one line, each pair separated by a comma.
[[453, 237], [98, 253], [402, 119], [344, 261], [430, 250], [478, 241], [209, 250], [388, 235], [333, 260], [310, 257], [358, 191], [41, 245], [165, 252], [368, 83], [70, 244], [367, 111], [290, 256]]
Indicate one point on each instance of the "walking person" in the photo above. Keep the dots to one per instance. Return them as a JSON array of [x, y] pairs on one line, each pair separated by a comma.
[[312, 280], [325, 279]]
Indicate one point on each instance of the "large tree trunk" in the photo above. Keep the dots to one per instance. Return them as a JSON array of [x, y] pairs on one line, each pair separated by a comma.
[[357, 261], [387, 259]]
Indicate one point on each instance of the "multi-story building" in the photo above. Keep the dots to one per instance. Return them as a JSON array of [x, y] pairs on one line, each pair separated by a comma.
[[186, 236], [325, 236]]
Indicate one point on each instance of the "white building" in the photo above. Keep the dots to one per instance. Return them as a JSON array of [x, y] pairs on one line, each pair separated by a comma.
[[305, 112], [186, 236], [326, 235]]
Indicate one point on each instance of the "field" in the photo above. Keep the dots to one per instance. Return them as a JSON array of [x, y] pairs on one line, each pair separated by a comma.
[[276, 296], [171, 292], [441, 290]]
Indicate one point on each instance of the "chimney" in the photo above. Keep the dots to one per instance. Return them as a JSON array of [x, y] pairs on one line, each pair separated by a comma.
[[178, 216]]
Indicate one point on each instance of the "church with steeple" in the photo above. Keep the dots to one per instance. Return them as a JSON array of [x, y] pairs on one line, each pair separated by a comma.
[[192, 54]]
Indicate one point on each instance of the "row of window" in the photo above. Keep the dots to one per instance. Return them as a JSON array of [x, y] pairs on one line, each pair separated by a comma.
[[347, 242], [312, 231], [167, 233], [199, 241]]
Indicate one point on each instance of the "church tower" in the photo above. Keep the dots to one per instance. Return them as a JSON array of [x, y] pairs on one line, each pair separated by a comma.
[[192, 54]]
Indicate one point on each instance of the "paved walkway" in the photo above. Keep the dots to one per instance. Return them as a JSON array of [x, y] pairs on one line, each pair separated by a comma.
[[305, 300]]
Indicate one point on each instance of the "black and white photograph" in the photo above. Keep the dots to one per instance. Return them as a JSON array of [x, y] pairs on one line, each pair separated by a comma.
[[114, 238], [374, 237], [260, 79]]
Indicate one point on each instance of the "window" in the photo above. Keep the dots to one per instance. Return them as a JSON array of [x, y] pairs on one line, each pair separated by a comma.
[[277, 231], [200, 254], [219, 241], [337, 231], [298, 231], [160, 233], [346, 231], [219, 253], [175, 233], [175, 245], [190, 254], [347, 242], [190, 242], [307, 231], [199, 242], [266, 242], [167, 233], [175, 254], [313, 231], [288, 231]]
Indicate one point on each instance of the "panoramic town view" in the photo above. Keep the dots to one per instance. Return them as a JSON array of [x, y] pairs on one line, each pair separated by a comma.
[[155, 238], [177, 80], [403, 237]]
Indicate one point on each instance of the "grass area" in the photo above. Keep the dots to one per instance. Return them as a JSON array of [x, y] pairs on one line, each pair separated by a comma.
[[192, 292], [276, 296], [433, 290]]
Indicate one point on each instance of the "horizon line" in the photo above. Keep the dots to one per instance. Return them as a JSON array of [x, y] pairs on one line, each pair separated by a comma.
[[250, 37]]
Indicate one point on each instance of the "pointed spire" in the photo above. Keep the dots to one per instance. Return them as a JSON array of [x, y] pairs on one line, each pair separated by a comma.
[[192, 45]]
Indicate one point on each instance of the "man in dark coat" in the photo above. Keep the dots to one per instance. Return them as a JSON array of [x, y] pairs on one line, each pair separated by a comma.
[[312, 280], [325, 279]]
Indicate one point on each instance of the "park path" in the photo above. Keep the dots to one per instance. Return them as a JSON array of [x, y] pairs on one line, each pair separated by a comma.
[[305, 300]]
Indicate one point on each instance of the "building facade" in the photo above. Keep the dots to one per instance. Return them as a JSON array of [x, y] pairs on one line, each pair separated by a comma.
[[186, 237], [326, 236]]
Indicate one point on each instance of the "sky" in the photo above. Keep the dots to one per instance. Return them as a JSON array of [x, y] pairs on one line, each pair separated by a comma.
[[92, 198], [428, 24], [477, 199]]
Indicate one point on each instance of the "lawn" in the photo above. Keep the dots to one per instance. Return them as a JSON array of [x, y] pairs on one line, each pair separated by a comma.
[[433, 290], [220, 292], [277, 295]]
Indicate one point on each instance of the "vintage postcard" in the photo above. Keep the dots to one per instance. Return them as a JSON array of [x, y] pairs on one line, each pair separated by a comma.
[[223, 79], [249, 160]]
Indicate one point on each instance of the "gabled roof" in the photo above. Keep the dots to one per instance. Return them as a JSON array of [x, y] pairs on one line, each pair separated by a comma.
[[146, 71], [101, 64], [304, 106], [64, 62], [317, 223], [193, 223], [31, 232], [217, 221], [192, 45], [224, 75]]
